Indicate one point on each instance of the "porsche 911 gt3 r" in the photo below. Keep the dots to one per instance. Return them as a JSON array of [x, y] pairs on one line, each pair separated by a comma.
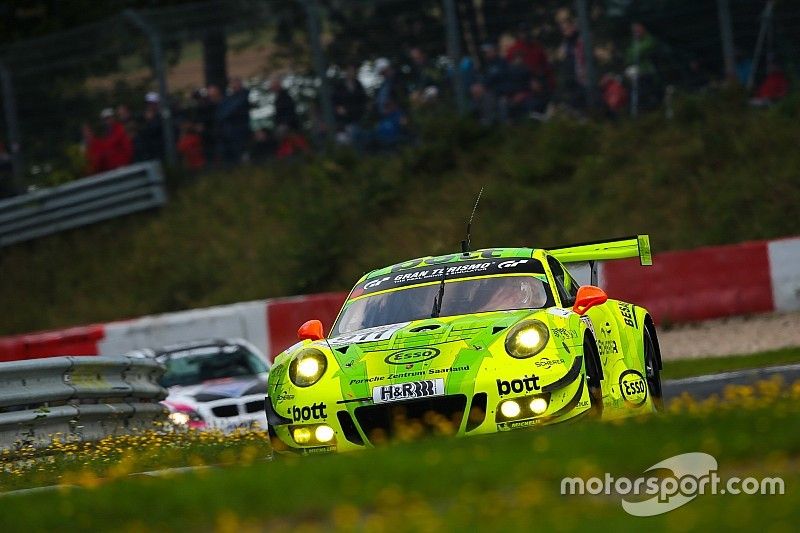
[[468, 343]]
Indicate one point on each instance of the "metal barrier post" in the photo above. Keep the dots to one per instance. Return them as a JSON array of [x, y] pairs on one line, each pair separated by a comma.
[[320, 64], [454, 52], [726, 34], [582, 9], [159, 68], [12, 124]]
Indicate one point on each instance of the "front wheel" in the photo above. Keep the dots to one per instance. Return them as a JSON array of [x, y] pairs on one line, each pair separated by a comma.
[[652, 373], [592, 362]]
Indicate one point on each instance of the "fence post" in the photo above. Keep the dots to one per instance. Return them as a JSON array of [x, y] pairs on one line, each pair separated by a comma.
[[726, 34], [582, 9], [454, 52], [766, 22], [320, 65], [160, 71], [12, 125]]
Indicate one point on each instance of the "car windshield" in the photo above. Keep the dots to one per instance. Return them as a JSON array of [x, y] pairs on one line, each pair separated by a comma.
[[461, 296], [196, 365]]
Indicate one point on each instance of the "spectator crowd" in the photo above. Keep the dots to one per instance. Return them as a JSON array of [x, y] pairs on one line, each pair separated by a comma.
[[509, 80]]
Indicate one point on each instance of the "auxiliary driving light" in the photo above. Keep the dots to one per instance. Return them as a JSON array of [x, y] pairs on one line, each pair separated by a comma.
[[538, 405], [324, 433], [510, 409], [302, 435], [527, 338], [307, 367]]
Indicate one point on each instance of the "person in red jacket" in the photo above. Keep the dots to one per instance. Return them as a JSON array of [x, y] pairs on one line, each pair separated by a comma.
[[775, 86], [190, 146], [533, 55], [111, 150]]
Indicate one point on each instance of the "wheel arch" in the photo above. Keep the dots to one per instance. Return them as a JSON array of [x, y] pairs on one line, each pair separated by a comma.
[[651, 329], [589, 337]]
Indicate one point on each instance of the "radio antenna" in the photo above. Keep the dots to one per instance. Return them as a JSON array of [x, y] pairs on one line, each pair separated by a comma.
[[465, 244]]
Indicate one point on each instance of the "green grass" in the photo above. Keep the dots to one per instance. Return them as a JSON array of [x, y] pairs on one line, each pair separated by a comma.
[[684, 368], [717, 173], [490, 483]]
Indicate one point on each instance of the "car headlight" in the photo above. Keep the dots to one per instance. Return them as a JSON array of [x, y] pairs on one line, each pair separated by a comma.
[[307, 367], [527, 338]]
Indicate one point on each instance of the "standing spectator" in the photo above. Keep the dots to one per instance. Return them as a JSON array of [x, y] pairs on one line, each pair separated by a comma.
[[495, 71], [264, 146], [642, 58], [533, 55], [572, 63], [290, 143], [389, 93], [285, 111], [112, 149], [519, 83], [233, 121], [775, 86], [483, 105], [349, 103], [207, 100], [424, 80], [190, 146], [149, 143], [615, 95]]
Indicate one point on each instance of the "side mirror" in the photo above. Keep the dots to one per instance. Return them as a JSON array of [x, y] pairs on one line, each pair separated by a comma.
[[311, 330], [589, 296]]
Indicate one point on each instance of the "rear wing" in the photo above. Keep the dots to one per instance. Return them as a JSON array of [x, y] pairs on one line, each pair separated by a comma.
[[636, 246]]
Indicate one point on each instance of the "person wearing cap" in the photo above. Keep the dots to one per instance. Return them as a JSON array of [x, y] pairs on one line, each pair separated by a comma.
[[150, 139], [112, 149]]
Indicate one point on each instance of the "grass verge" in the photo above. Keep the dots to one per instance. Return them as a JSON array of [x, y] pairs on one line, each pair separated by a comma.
[[491, 483]]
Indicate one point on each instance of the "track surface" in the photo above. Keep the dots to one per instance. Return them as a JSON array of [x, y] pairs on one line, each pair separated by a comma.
[[700, 387]]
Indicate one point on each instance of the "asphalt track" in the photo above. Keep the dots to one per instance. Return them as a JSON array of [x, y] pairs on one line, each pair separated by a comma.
[[700, 387]]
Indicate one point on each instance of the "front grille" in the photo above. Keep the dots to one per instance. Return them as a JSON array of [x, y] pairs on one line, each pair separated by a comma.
[[412, 419], [225, 411], [254, 407]]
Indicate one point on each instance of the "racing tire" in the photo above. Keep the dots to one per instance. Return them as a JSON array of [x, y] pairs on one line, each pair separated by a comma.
[[593, 382], [652, 373]]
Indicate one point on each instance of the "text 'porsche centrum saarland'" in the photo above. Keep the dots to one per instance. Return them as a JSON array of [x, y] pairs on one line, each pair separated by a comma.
[[465, 344]]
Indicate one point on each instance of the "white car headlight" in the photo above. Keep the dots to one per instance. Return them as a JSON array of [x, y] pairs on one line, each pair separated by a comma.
[[527, 338], [307, 367]]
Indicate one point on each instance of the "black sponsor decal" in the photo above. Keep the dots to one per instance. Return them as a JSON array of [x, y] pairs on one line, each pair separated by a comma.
[[448, 370], [416, 389], [313, 412], [607, 347], [411, 356], [283, 396], [546, 363], [564, 333], [633, 387], [626, 310], [524, 384]]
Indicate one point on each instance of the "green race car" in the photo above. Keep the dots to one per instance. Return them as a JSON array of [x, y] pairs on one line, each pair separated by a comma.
[[465, 344]]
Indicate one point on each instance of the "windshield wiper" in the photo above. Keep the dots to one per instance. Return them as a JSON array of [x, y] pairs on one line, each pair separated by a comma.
[[437, 302]]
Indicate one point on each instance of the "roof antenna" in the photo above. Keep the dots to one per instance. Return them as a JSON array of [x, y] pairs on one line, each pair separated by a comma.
[[465, 244]]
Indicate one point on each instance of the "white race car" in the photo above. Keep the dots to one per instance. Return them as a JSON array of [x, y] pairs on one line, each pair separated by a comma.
[[213, 384]]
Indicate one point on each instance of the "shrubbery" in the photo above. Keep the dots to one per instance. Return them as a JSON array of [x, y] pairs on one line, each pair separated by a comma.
[[716, 173]]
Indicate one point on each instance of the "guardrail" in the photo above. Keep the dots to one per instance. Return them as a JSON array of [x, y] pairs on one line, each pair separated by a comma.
[[85, 201], [77, 399]]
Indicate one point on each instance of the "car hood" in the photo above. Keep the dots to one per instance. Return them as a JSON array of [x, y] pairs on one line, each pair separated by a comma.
[[452, 348], [219, 389]]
